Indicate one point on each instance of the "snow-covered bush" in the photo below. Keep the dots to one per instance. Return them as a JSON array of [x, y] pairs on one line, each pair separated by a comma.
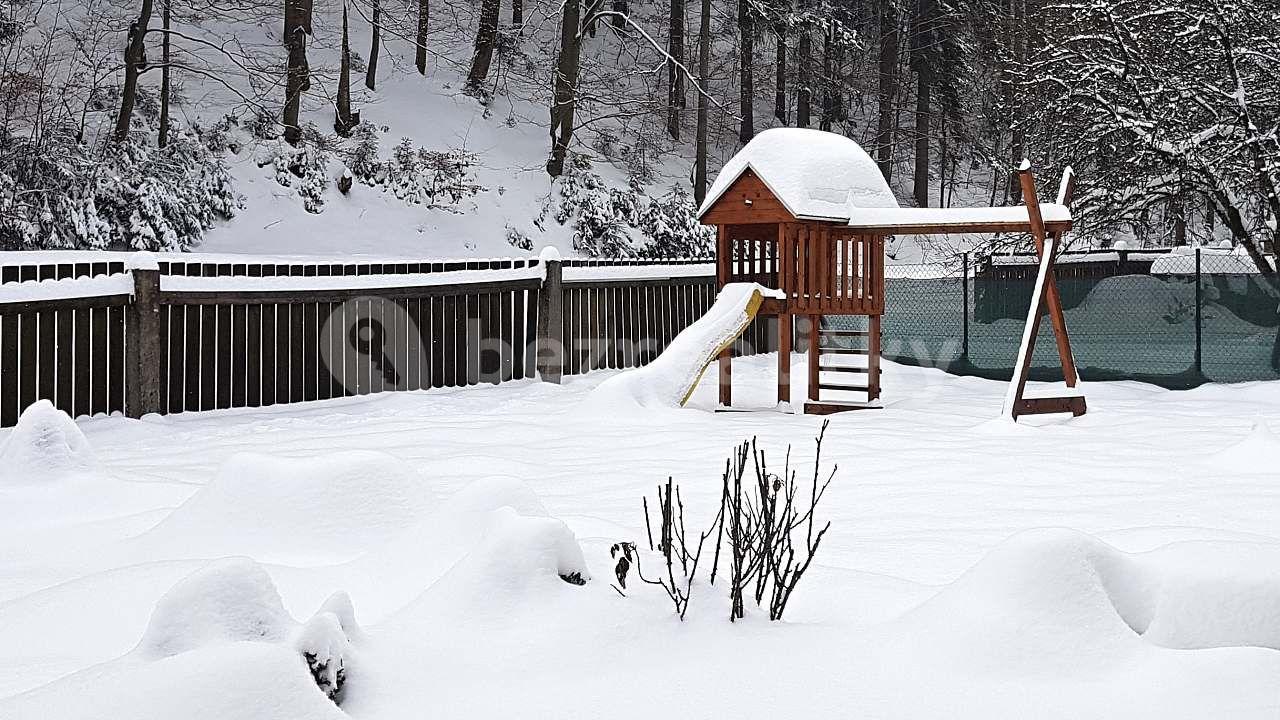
[[416, 175], [46, 444], [235, 601], [325, 647], [610, 221], [304, 166], [59, 192], [231, 600]]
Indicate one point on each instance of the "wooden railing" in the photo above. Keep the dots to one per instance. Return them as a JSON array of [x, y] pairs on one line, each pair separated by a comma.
[[203, 334], [831, 271]]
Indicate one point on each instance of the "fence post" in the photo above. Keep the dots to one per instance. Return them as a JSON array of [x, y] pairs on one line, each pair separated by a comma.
[[549, 348], [1199, 359], [964, 290], [142, 338]]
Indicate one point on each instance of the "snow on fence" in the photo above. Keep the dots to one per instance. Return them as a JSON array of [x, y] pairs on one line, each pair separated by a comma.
[[185, 333]]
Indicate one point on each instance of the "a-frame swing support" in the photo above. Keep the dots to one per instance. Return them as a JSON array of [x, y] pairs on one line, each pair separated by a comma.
[[1045, 297]]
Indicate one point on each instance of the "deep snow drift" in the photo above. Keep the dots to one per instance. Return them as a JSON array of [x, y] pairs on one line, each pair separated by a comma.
[[669, 379], [939, 592]]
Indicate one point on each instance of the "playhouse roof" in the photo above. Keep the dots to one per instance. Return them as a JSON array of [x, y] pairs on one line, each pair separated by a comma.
[[814, 174]]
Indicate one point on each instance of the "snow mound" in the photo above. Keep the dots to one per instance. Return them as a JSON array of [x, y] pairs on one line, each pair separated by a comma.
[[815, 174], [321, 509], [487, 494], [219, 646], [1256, 453], [241, 681], [669, 379], [339, 605], [227, 601], [518, 559], [1058, 600], [45, 445]]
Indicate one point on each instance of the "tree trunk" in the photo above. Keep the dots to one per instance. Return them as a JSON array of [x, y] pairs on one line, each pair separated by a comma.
[[675, 71], [486, 38], [746, 51], [780, 79], [888, 88], [564, 99], [922, 46], [804, 76], [704, 74], [517, 14], [828, 102], [920, 177], [135, 59], [371, 75], [942, 160], [420, 42], [343, 123], [162, 139], [1017, 143], [297, 18]]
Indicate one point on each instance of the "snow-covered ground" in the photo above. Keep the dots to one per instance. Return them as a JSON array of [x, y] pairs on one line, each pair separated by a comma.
[[1122, 564]]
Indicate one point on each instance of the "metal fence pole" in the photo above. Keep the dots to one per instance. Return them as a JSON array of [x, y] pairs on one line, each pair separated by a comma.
[[964, 285], [1199, 359]]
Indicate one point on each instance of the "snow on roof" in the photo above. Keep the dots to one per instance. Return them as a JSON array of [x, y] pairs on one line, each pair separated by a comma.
[[1011, 218], [815, 174]]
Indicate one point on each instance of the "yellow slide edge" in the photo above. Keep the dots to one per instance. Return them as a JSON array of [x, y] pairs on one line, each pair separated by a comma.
[[753, 307]]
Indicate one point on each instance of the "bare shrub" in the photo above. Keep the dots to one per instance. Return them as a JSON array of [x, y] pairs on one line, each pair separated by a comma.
[[765, 524]]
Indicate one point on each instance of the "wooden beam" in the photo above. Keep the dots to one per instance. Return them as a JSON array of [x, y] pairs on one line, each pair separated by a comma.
[[821, 408], [1073, 404], [957, 228], [1054, 299]]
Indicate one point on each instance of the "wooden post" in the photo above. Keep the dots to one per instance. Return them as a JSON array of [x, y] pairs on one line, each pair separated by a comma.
[[724, 362], [784, 358], [873, 357], [549, 349], [1052, 299], [142, 341], [815, 355]]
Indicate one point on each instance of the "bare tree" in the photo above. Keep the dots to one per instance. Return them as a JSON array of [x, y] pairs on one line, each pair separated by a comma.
[[297, 24], [704, 73], [162, 136], [564, 100], [420, 42], [746, 56], [344, 120], [135, 61], [371, 72], [486, 39], [888, 88], [675, 68]]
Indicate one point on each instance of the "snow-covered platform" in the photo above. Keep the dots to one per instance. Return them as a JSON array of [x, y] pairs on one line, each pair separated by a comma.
[[1121, 564]]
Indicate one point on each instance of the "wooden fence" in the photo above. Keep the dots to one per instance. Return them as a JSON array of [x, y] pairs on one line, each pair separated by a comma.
[[179, 334]]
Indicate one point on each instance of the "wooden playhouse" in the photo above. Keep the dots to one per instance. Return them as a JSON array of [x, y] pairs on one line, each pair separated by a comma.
[[807, 212]]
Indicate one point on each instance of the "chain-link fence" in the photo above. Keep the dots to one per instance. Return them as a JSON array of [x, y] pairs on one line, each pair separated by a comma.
[[1173, 319]]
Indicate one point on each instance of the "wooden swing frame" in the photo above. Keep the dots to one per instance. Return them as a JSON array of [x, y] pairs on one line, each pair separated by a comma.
[[1045, 296]]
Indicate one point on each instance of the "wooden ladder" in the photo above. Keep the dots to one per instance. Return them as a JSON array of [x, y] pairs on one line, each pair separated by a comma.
[[858, 378]]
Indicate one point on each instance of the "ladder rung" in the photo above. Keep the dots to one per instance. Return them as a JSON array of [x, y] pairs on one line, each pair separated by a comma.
[[843, 369], [845, 351], [845, 333], [834, 386]]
